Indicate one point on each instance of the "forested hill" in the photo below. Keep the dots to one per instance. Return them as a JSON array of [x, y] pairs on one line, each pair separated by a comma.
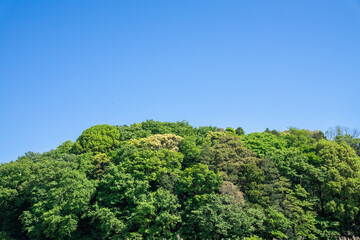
[[161, 180]]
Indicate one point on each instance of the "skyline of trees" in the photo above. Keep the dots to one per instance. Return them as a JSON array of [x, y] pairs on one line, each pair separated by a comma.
[[156, 180]]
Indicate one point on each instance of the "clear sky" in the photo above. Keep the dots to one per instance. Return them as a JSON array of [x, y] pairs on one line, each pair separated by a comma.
[[69, 65]]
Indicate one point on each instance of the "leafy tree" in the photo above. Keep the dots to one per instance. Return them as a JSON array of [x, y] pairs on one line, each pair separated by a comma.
[[158, 142], [238, 165], [353, 142], [240, 131], [264, 143], [59, 197], [134, 131], [338, 195], [197, 182], [274, 132], [105, 223], [301, 168], [97, 139], [218, 219], [101, 163], [148, 165], [157, 215], [300, 138], [232, 192], [136, 209], [277, 225], [179, 128], [300, 211], [202, 131], [65, 147], [212, 137], [163, 180], [191, 151], [339, 131], [15, 195], [230, 130]]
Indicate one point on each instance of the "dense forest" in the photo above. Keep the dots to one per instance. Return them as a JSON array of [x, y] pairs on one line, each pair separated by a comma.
[[163, 180]]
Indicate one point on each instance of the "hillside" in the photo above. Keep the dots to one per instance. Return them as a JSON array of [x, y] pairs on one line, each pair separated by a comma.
[[156, 180]]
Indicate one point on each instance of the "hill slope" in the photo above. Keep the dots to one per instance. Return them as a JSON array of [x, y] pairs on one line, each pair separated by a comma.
[[156, 180]]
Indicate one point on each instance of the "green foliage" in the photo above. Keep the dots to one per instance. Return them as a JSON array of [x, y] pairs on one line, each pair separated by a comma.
[[191, 151], [148, 165], [353, 142], [231, 130], [301, 138], [51, 197], [131, 205], [14, 195], [218, 219], [232, 192], [157, 215], [231, 157], [339, 196], [56, 212], [65, 147], [97, 139], [101, 163], [301, 168], [277, 225], [198, 181], [213, 137], [158, 142], [105, 223], [253, 238], [240, 131], [162, 180], [179, 128], [264, 143], [276, 133], [341, 156], [5, 236]]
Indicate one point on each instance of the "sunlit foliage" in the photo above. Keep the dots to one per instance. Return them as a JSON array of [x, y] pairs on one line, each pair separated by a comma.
[[162, 180]]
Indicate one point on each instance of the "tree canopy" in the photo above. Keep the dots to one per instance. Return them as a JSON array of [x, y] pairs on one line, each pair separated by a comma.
[[162, 180]]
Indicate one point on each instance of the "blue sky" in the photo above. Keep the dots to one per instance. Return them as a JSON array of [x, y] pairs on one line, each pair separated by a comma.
[[69, 65]]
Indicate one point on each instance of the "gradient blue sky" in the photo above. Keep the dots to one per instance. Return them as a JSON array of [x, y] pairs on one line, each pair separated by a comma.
[[69, 65]]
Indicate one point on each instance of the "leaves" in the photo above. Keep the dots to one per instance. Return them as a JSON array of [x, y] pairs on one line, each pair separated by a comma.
[[97, 139], [160, 180]]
